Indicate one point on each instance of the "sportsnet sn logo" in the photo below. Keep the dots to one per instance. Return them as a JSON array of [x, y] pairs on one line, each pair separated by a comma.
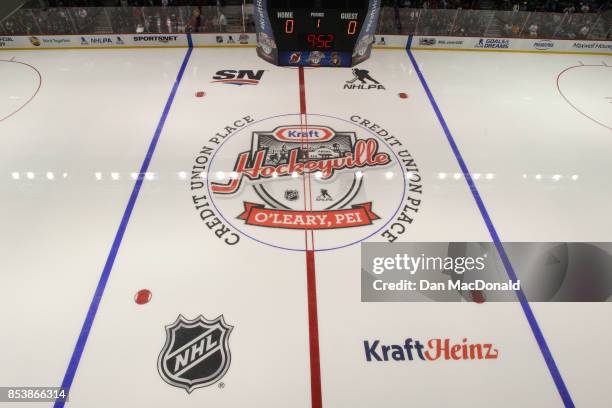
[[238, 77], [432, 350]]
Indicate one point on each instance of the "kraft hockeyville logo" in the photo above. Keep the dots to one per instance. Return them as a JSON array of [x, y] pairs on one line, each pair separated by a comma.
[[431, 350], [283, 152], [238, 77], [287, 152]]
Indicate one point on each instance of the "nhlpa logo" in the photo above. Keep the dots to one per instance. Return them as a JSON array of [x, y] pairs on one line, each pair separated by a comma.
[[238, 77], [101, 40], [196, 353], [365, 80]]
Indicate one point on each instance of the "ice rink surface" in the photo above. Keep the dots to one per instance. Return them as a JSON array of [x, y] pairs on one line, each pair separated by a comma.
[[116, 176]]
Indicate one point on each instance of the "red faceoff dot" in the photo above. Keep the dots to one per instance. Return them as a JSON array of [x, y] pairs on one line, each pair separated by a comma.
[[403, 95], [200, 94], [478, 296], [143, 297]]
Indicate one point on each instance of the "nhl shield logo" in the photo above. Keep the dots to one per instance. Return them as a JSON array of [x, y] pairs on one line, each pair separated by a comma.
[[196, 353]]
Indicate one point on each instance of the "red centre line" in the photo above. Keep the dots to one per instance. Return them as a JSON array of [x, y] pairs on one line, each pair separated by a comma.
[[311, 279]]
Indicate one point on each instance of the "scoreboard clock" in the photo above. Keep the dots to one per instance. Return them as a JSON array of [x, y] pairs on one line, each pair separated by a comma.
[[333, 33]]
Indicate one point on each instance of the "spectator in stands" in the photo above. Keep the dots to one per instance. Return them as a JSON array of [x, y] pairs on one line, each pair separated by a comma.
[[584, 31], [222, 22], [507, 29], [420, 17]]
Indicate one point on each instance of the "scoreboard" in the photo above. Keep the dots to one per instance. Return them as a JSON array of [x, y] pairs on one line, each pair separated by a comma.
[[337, 33]]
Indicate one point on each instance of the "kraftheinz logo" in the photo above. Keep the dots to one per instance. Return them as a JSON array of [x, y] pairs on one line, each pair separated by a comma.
[[498, 43], [238, 77], [543, 45], [365, 80], [432, 350], [196, 353]]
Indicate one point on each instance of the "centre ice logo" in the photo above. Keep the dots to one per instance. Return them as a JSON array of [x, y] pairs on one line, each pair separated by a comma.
[[196, 353], [272, 179], [288, 153]]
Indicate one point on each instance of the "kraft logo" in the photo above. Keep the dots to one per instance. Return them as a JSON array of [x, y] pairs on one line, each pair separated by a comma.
[[434, 349], [238, 77], [295, 133]]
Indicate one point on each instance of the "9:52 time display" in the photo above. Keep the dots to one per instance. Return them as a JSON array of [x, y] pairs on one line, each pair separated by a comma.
[[321, 30], [315, 41]]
